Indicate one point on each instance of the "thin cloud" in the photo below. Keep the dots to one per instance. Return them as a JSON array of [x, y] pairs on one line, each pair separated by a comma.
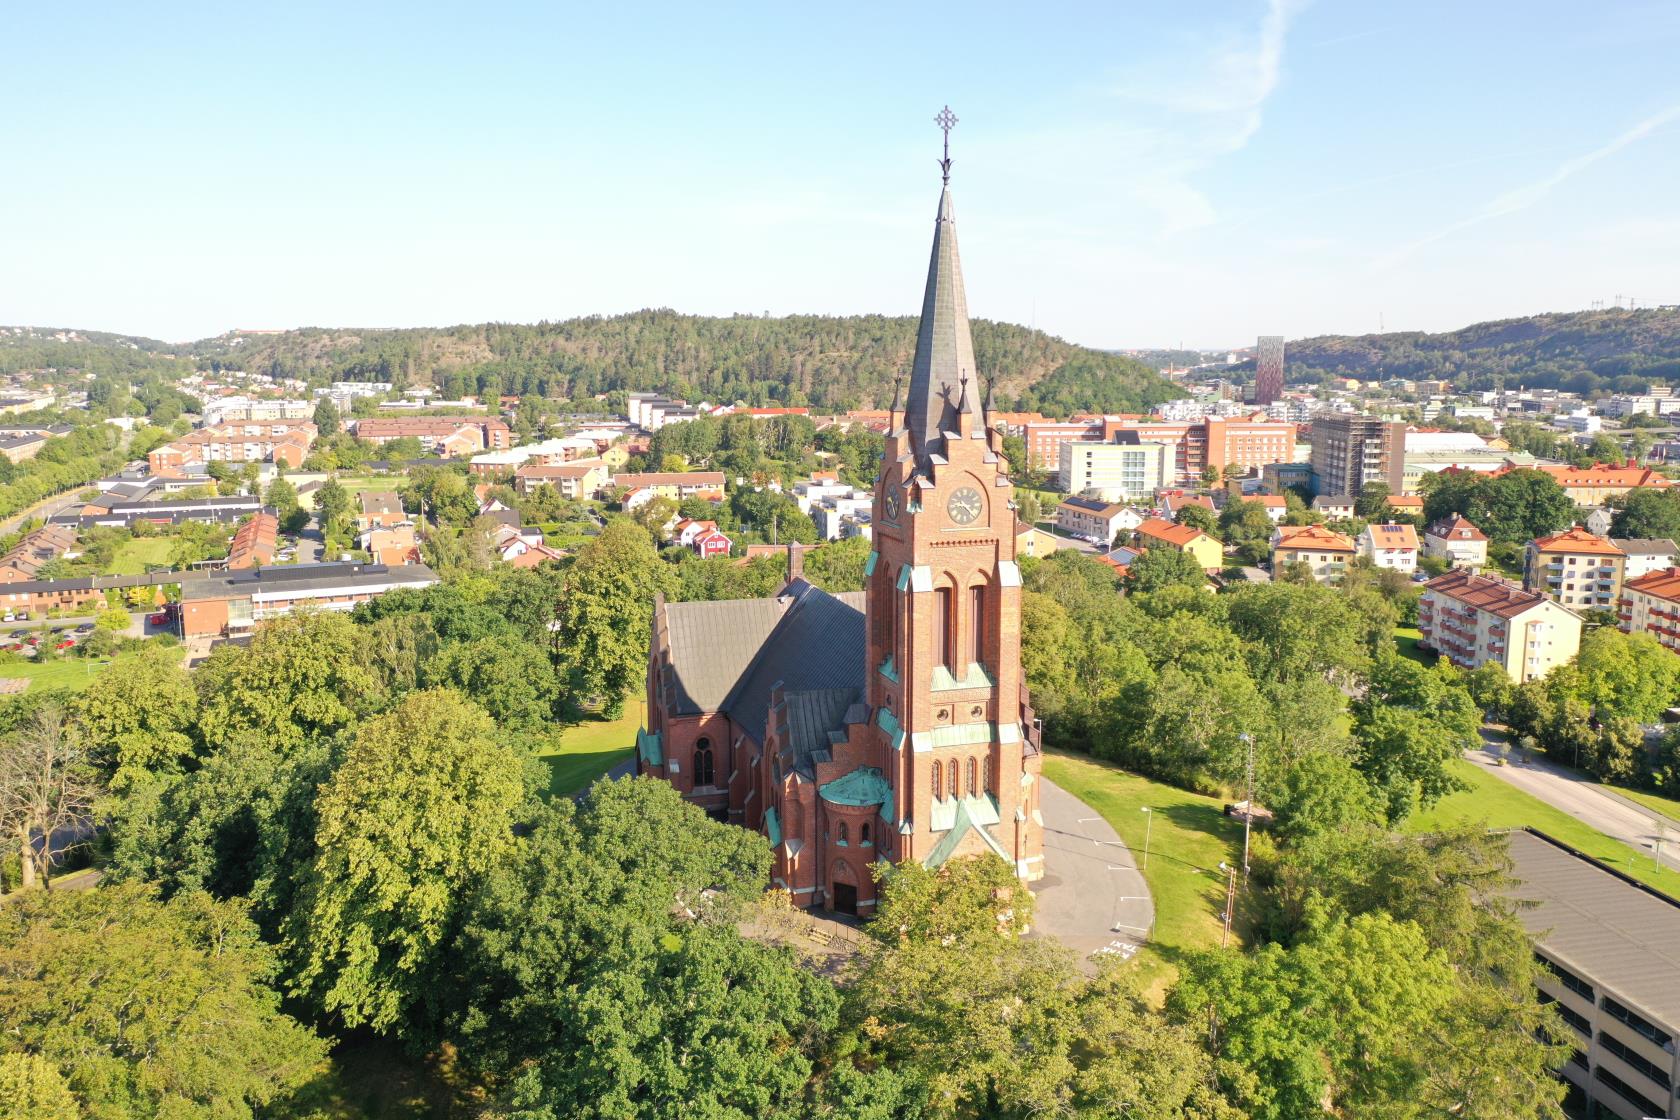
[[1521, 198]]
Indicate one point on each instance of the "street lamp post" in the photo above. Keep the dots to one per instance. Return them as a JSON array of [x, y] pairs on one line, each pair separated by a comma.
[[1149, 823]]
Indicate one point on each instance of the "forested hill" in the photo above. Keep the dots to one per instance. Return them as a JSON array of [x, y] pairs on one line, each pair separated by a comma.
[[1582, 351], [821, 361]]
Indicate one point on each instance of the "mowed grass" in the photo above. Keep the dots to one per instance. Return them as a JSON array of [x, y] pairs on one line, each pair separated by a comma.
[[1406, 640], [1190, 837], [584, 751], [1494, 803], [74, 673], [135, 556], [1666, 806]]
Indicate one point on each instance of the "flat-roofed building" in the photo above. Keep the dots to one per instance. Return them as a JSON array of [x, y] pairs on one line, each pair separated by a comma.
[[1349, 450], [1474, 620], [1579, 569], [111, 511], [1116, 471], [232, 603], [1609, 950]]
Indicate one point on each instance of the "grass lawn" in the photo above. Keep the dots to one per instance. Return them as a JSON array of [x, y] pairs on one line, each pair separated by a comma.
[[1190, 836], [1498, 804], [584, 751], [74, 673], [1406, 640], [1667, 806], [135, 556]]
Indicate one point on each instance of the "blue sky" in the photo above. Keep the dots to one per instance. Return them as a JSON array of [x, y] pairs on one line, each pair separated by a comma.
[[1127, 174]]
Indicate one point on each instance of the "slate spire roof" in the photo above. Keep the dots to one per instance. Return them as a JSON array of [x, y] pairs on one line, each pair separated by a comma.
[[944, 346]]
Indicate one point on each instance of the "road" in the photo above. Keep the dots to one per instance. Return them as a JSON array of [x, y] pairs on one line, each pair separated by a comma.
[[1570, 793], [44, 509], [1092, 898]]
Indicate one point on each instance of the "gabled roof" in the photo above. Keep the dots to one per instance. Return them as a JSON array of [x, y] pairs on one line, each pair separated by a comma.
[[1660, 546], [1314, 537], [1456, 527], [1486, 593], [1605, 475], [375, 502], [1664, 584], [727, 656], [1577, 539], [1176, 535]]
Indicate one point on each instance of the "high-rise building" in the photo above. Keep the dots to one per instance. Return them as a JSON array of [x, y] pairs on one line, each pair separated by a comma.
[[1349, 451], [888, 725], [1268, 369]]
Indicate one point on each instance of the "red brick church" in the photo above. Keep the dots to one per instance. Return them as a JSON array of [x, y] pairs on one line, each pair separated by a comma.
[[888, 724]]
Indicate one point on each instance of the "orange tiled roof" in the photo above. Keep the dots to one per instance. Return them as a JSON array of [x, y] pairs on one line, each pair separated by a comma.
[[1176, 535], [1606, 475], [1577, 539], [1393, 536], [1405, 502], [1664, 584], [1295, 537]]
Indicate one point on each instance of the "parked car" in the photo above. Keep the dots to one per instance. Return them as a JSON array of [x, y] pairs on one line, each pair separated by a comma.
[[159, 619], [65, 644], [85, 628], [10, 617]]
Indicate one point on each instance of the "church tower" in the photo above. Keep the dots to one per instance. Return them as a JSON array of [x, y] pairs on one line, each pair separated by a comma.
[[944, 600]]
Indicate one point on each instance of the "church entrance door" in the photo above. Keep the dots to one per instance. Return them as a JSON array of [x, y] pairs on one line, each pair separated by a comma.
[[845, 899]]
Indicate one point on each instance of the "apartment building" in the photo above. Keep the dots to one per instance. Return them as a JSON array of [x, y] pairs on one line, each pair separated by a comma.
[[1651, 605], [1117, 471], [1474, 620], [449, 436], [39, 596], [1606, 946], [580, 478], [254, 542], [109, 510], [232, 603], [1390, 546], [1350, 450], [675, 484], [1593, 486], [1578, 569], [280, 441], [1457, 541], [1191, 445], [229, 410], [1325, 552]]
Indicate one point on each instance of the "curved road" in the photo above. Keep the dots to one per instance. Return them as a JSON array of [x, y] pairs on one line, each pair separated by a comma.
[[1092, 898]]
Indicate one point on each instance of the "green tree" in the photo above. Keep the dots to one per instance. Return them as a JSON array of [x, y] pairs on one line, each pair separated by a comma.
[[1198, 517], [140, 720], [115, 619], [1372, 502], [606, 612], [509, 678], [283, 496], [31, 1088], [149, 1008], [422, 808], [1164, 567], [332, 506], [838, 565], [326, 418], [1648, 513]]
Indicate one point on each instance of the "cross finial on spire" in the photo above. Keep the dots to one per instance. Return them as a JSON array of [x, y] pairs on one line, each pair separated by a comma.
[[946, 120]]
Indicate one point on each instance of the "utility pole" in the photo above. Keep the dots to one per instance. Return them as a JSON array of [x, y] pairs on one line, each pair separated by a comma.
[[1149, 823], [1230, 900]]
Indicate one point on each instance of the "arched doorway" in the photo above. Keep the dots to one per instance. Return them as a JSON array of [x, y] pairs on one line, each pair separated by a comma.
[[843, 891]]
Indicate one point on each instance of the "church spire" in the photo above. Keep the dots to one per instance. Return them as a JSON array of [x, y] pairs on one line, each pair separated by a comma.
[[944, 347]]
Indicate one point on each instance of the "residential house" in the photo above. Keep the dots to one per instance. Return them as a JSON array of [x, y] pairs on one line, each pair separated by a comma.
[[1207, 550], [392, 545], [1333, 507], [1474, 620], [1457, 541], [1578, 569], [1646, 556], [30, 554], [1390, 546], [1411, 504], [18, 448], [1174, 504], [580, 478], [1651, 605], [703, 538], [379, 509], [1324, 551], [1090, 518], [1030, 540]]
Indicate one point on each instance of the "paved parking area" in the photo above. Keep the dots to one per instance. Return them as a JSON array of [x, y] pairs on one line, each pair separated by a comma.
[[1093, 897]]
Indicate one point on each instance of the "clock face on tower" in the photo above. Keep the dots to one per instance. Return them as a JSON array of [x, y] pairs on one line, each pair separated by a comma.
[[892, 507], [964, 505]]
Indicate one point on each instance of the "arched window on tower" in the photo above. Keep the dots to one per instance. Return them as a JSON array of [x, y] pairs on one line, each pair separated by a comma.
[[863, 834], [973, 785], [944, 626], [937, 791], [845, 836], [705, 767], [977, 625], [991, 775]]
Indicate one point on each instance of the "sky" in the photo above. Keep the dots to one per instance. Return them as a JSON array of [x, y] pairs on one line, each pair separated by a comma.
[[1125, 174]]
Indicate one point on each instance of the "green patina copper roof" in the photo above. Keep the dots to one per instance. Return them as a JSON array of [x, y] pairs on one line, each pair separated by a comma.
[[961, 827], [869, 564], [980, 810], [648, 746], [889, 723], [955, 735], [773, 826], [864, 786], [944, 681]]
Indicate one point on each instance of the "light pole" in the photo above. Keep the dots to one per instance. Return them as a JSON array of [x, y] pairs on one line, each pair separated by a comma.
[[1148, 823]]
